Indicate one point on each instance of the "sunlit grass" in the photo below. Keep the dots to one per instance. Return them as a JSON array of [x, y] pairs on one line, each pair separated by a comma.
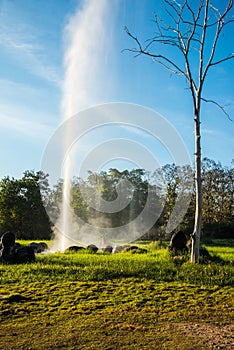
[[76, 300], [156, 265]]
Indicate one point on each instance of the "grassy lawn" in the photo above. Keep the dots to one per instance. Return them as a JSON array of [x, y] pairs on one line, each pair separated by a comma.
[[121, 301]]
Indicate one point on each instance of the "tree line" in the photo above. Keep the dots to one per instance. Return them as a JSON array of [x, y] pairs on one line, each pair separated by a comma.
[[25, 203]]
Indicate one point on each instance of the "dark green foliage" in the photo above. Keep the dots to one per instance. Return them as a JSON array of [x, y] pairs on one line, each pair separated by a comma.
[[21, 206], [22, 210], [218, 199], [219, 230]]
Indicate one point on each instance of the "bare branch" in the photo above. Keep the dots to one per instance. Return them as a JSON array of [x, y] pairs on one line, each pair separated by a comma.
[[166, 40], [218, 105], [220, 25], [222, 60], [228, 22], [168, 68], [170, 4], [158, 26], [134, 38], [216, 11], [187, 43], [157, 57], [186, 33], [205, 21]]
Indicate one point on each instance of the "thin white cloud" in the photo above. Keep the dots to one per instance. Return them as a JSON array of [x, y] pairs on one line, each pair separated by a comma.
[[9, 88], [42, 97], [27, 102], [19, 40], [24, 127], [136, 131], [208, 131]]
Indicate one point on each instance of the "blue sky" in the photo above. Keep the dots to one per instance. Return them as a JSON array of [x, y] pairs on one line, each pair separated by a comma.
[[32, 48]]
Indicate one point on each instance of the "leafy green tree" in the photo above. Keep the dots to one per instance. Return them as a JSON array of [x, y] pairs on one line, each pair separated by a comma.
[[21, 206], [53, 201], [78, 203], [218, 197], [167, 184]]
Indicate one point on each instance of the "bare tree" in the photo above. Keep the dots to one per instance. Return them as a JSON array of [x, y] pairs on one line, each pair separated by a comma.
[[194, 29]]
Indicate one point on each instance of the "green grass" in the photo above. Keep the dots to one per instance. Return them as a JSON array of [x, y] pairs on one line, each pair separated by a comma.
[[156, 265], [122, 301], [26, 242]]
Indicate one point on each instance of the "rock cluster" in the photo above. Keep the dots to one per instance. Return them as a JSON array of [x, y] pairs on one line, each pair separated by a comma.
[[13, 252], [92, 248]]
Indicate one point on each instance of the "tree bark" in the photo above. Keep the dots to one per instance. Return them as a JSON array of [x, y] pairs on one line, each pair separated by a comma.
[[195, 251]]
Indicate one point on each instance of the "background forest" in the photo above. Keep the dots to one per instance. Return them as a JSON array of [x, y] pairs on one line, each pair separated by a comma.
[[26, 202]]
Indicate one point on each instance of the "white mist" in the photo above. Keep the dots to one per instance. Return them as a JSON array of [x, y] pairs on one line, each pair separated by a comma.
[[87, 46]]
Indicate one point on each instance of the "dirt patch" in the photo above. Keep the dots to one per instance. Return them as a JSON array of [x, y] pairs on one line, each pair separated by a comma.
[[215, 337]]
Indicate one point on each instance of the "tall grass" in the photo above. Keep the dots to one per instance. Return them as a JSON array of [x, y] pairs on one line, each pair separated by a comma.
[[156, 265]]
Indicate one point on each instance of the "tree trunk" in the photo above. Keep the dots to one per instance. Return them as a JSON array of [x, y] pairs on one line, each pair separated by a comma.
[[195, 252]]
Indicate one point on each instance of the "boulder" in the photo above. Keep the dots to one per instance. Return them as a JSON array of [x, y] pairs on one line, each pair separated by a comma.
[[135, 249], [35, 246], [8, 239], [131, 248], [92, 247], [38, 247], [25, 255], [107, 249], [17, 246], [74, 249], [13, 252], [7, 252], [43, 246], [117, 249], [178, 243]]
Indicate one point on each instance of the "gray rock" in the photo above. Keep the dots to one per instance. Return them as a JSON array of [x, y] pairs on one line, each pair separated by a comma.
[[178, 243], [74, 248], [117, 249], [107, 249], [92, 247]]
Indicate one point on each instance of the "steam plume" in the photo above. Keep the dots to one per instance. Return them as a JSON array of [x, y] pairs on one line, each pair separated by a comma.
[[86, 82]]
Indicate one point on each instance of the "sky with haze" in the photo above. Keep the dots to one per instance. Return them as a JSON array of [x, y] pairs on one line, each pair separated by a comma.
[[34, 41]]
